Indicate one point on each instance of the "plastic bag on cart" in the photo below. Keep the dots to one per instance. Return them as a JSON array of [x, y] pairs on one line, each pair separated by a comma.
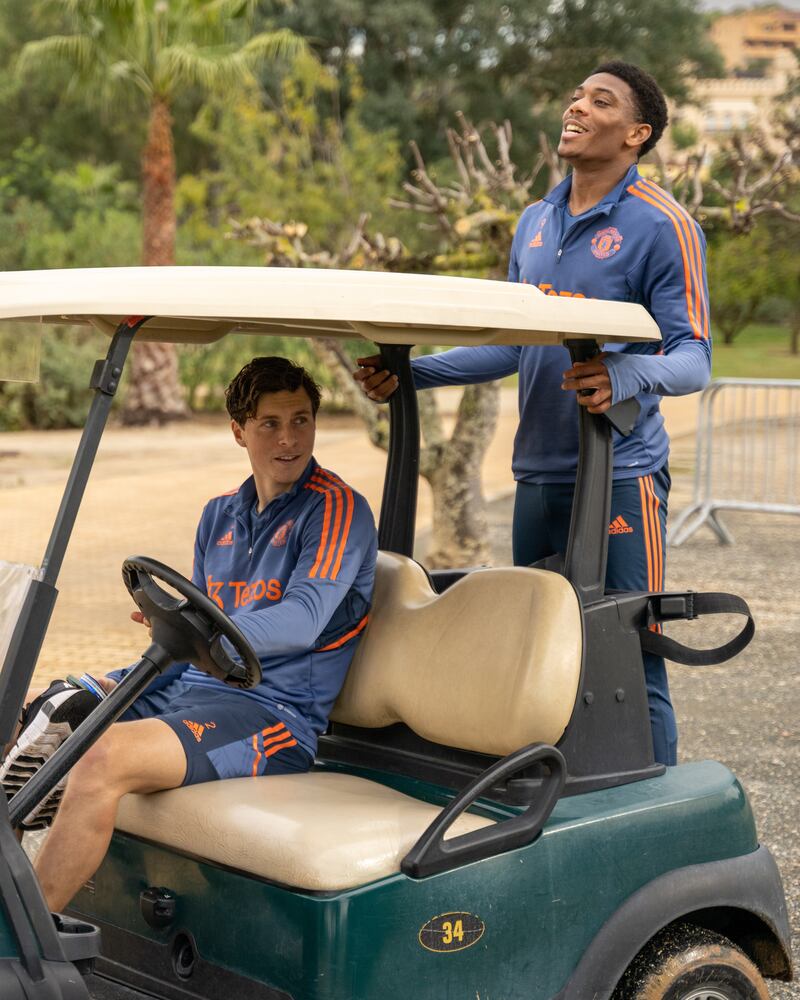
[[15, 579]]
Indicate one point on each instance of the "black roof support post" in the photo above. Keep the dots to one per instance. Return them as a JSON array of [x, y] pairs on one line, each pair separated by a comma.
[[587, 548], [34, 618], [399, 505]]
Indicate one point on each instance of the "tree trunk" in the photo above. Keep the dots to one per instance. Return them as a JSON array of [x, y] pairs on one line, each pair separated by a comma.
[[460, 526], [154, 393]]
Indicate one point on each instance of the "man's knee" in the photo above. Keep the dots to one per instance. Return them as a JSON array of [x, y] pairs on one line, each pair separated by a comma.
[[99, 772]]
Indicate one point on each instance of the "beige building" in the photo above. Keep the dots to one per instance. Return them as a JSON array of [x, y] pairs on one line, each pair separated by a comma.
[[768, 33], [738, 101], [728, 105]]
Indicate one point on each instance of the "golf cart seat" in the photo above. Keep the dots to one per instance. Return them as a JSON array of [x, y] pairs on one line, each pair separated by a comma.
[[491, 665]]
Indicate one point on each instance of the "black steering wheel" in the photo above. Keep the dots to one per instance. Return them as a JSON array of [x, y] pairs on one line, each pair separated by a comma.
[[191, 629]]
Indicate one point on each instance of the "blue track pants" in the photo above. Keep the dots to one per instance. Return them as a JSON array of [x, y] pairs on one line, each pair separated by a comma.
[[636, 547]]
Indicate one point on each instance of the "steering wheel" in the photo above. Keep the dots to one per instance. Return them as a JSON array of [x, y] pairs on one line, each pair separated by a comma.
[[190, 629]]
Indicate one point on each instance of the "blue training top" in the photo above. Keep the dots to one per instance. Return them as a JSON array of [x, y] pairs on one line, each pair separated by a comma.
[[636, 245], [298, 586]]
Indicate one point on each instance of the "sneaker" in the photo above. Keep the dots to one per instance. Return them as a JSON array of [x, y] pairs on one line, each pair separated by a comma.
[[46, 723]]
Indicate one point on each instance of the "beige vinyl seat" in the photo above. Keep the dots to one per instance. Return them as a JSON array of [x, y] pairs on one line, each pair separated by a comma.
[[491, 665]]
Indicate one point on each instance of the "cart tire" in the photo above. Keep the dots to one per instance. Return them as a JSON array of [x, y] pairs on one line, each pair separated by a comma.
[[684, 962]]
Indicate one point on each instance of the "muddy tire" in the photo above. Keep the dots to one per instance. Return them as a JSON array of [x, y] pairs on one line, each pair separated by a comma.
[[691, 963]]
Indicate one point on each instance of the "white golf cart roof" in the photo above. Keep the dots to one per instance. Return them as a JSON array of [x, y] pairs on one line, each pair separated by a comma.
[[203, 304]]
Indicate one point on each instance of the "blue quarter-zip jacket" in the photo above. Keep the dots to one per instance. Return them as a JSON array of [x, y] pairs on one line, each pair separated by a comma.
[[636, 245], [299, 588]]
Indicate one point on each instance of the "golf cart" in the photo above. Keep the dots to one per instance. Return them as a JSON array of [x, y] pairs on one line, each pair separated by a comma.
[[485, 818]]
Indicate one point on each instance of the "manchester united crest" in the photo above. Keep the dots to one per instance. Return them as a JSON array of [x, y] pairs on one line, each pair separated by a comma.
[[280, 536], [606, 243]]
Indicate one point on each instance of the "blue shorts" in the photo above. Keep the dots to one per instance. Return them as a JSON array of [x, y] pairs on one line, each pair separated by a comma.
[[223, 734]]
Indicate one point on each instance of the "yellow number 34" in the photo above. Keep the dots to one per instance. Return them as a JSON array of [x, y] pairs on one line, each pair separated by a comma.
[[452, 932]]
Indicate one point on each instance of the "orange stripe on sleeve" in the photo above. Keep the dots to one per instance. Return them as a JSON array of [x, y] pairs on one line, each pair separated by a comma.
[[326, 523], [336, 492], [695, 253], [350, 507], [687, 271], [345, 638], [345, 533]]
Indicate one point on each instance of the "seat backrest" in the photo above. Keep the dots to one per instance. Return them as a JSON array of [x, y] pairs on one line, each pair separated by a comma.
[[491, 665]]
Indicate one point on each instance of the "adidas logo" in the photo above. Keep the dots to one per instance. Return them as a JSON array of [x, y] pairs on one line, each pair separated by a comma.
[[227, 538], [197, 729], [537, 240], [619, 526]]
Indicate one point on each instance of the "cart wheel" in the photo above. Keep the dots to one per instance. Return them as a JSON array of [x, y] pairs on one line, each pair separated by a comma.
[[684, 962]]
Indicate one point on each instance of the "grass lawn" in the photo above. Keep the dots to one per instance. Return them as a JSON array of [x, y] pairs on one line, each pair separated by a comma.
[[760, 351]]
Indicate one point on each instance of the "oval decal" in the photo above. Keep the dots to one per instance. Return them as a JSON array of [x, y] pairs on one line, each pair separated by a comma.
[[451, 932]]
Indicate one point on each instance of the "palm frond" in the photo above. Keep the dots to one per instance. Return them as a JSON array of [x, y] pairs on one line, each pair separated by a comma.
[[280, 44], [213, 68], [177, 65], [80, 52]]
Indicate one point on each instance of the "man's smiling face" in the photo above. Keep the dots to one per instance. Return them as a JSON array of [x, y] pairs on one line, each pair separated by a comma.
[[601, 123], [279, 439]]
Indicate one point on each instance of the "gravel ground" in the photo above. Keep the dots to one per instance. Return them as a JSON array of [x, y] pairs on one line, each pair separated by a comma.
[[745, 713]]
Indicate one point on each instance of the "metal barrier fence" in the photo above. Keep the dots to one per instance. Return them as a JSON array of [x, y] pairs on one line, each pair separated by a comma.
[[748, 434]]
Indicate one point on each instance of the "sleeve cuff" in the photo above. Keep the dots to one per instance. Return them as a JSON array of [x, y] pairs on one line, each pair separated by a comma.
[[621, 387]]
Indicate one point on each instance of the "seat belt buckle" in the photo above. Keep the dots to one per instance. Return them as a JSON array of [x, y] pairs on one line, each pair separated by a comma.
[[671, 607]]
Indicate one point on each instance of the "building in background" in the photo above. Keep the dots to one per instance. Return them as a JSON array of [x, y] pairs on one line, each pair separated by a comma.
[[762, 39], [759, 47]]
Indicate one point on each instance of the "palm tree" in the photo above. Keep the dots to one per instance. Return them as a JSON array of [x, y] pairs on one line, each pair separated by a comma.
[[149, 51]]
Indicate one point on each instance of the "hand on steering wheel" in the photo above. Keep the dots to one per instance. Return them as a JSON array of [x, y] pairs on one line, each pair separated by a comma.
[[190, 629]]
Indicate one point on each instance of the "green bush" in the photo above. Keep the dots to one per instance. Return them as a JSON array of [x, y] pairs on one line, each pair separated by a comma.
[[206, 371], [62, 396]]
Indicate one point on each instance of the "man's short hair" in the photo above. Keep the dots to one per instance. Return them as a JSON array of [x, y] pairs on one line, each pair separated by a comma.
[[267, 375], [648, 98]]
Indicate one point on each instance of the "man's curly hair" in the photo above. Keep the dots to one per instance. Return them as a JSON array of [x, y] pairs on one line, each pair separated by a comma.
[[649, 102], [267, 375]]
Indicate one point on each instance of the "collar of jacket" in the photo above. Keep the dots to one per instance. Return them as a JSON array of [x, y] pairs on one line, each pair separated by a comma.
[[245, 496], [560, 193]]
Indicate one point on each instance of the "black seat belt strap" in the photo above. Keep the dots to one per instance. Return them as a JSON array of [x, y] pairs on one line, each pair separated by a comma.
[[688, 605]]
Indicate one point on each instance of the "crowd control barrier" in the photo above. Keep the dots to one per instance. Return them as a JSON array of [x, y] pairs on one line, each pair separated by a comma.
[[748, 435]]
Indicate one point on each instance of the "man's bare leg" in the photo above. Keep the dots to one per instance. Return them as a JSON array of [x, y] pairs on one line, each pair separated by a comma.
[[140, 756]]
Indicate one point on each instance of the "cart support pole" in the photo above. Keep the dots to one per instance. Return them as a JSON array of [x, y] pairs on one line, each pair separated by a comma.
[[399, 506], [587, 547]]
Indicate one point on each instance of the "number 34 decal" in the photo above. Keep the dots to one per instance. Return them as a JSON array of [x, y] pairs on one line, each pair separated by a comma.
[[451, 932]]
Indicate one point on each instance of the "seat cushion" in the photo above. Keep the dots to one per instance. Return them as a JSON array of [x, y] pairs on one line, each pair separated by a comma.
[[322, 831], [492, 664]]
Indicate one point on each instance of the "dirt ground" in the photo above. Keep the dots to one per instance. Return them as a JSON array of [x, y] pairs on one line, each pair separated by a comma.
[[148, 489]]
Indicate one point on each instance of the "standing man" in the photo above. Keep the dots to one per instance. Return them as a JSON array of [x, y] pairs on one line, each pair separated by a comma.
[[290, 556], [606, 233]]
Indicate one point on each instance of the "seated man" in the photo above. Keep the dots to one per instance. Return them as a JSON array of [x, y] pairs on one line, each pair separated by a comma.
[[291, 557]]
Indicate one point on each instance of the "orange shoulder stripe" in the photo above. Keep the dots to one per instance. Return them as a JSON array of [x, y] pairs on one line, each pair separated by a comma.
[[326, 523], [689, 227], [335, 489], [349, 506], [687, 271]]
